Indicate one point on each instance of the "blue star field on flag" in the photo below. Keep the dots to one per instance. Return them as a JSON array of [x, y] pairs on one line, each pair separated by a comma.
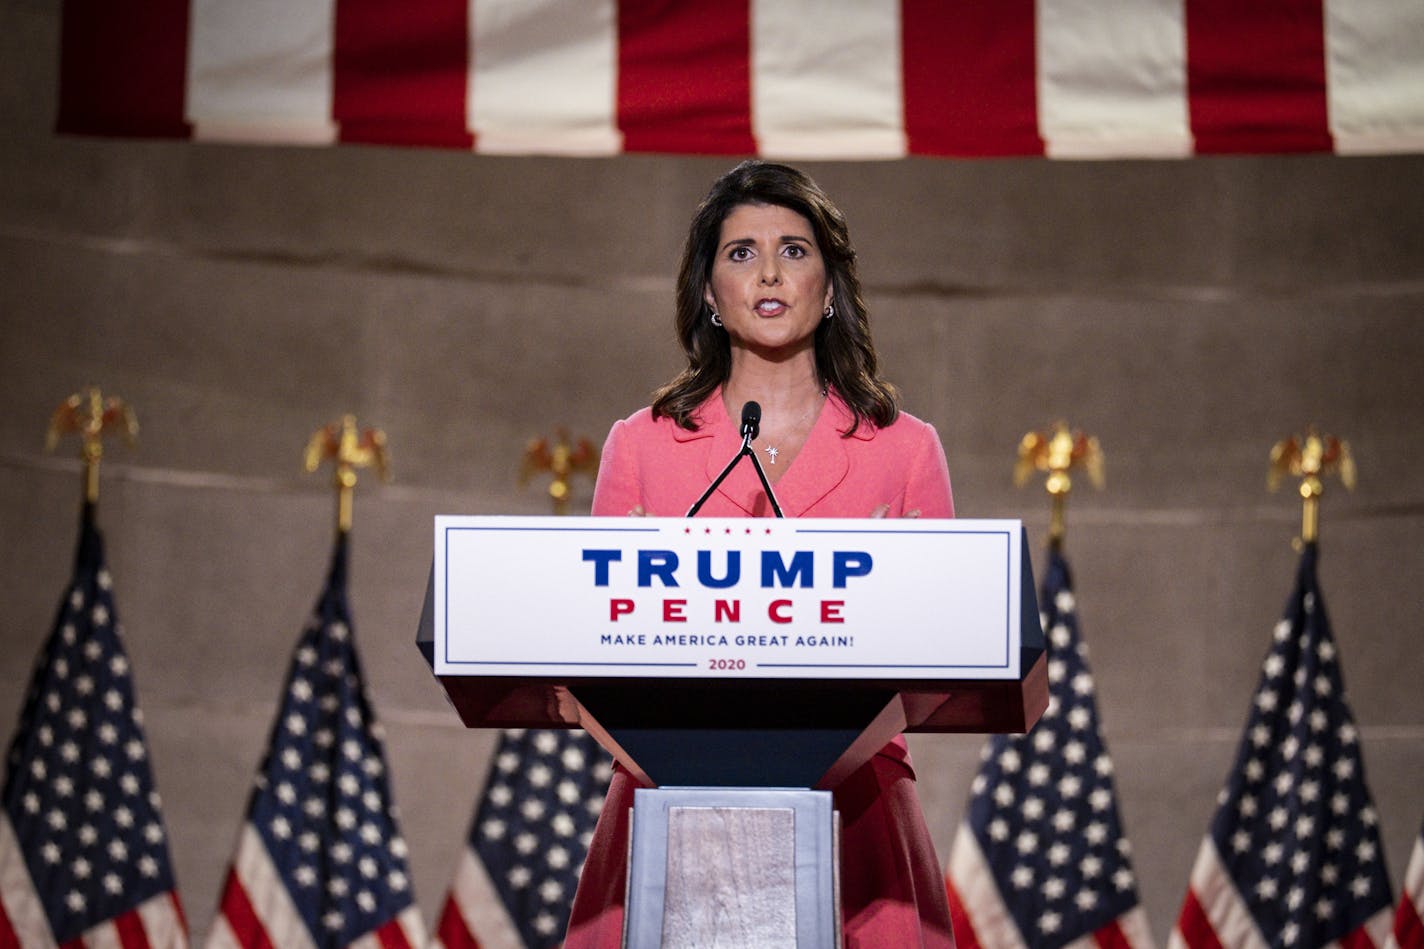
[[322, 802], [1043, 808], [78, 790], [1296, 828], [533, 825]]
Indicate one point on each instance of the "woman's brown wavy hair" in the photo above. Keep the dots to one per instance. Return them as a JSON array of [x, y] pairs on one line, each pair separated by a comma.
[[845, 355]]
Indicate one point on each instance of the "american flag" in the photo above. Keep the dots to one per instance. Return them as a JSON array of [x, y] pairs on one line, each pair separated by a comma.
[[320, 862], [795, 79], [515, 883], [83, 851], [1293, 858], [1409, 918], [1041, 859]]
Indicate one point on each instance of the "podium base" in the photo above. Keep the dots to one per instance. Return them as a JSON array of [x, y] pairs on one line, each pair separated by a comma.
[[733, 867]]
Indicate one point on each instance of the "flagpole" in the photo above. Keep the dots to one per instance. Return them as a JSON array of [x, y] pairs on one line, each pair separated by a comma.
[[1057, 451], [1311, 457], [90, 416], [349, 449]]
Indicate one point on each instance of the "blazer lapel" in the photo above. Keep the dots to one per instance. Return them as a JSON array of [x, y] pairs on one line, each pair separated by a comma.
[[742, 487], [821, 464]]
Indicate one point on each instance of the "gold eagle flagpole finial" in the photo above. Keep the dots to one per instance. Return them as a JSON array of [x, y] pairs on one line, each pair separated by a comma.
[[89, 415], [561, 458], [1310, 457], [349, 449], [1058, 451]]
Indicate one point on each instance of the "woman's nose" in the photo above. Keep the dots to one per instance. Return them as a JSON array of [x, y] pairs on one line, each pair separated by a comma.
[[770, 273]]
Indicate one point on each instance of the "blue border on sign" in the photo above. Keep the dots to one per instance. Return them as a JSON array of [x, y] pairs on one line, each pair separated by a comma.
[[1008, 632], [566, 530], [1008, 595]]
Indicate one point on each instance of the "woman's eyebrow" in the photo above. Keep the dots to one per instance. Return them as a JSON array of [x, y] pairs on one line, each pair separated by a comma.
[[784, 239]]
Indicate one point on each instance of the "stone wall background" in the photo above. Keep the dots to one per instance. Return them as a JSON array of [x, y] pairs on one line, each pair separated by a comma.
[[1189, 313]]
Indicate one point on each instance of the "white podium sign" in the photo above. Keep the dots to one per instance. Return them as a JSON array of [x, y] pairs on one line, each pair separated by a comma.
[[727, 597]]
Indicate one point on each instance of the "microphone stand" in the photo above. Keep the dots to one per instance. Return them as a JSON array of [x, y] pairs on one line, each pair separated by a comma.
[[748, 433]]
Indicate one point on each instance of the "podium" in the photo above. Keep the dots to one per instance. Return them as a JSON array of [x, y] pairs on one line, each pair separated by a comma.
[[717, 656]]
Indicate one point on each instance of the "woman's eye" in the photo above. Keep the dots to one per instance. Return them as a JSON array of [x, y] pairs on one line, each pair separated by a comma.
[[795, 250], [740, 253]]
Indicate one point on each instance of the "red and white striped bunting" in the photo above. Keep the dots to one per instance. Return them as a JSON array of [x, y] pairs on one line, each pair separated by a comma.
[[797, 79]]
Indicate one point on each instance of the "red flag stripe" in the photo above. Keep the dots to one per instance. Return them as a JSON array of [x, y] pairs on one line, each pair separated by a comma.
[[452, 931], [1111, 936], [1358, 939], [241, 917], [123, 68], [1408, 927], [1193, 925], [969, 74], [130, 930], [401, 80], [8, 938], [684, 77], [391, 936], [1256, 75]]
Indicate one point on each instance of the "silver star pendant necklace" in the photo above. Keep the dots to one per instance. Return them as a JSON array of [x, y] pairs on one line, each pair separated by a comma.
[[771, 450]]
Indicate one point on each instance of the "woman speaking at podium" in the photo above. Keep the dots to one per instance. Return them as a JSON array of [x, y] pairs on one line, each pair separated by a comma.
[[769, 309]]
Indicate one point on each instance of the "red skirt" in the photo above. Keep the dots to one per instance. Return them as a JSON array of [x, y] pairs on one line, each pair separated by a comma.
[[892, 885]]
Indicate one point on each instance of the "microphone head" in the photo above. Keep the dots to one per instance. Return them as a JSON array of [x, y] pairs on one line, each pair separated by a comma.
[[751, 419]]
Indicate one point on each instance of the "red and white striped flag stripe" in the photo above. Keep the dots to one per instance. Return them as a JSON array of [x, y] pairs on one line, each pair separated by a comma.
[[983, 921], [1408, 930], [474, 916], [1214, 915], [802, 79], [257, 910], [157, 921]]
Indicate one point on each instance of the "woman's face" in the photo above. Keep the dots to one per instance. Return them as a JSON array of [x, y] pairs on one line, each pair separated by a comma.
[[769, 281]]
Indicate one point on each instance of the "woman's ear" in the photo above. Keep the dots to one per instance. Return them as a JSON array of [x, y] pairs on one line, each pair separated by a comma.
[[708, 298]]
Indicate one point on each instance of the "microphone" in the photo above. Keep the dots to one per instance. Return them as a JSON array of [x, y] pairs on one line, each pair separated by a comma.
[[751, 420], [751, 426]]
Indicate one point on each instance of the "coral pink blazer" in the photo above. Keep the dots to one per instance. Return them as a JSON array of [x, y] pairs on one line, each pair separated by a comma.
[[892, 892], [664, 468]]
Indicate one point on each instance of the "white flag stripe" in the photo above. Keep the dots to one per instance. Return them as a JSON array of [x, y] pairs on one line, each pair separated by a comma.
[[17, 892], [832, 91], [162, 922], [1135, 927], [1378, 926], [1112, 78], [973, 880], [544, 76], [1374, 51], [481, 907], [1414, 877], [412, 925], [260, 70], [221, 935], [103, 936]]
